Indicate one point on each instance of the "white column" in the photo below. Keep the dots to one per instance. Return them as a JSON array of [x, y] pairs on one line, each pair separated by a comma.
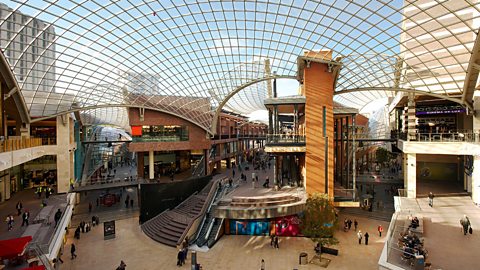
[[411, 175], [151, 174], [64, 154], [476, 180]]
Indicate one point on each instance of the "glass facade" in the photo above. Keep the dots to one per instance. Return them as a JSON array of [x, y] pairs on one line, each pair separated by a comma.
[[162, 134]]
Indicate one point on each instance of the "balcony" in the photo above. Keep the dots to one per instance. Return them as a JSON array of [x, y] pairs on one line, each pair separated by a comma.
[[284, 139], [17, 143], [283, 143], [471, 136]]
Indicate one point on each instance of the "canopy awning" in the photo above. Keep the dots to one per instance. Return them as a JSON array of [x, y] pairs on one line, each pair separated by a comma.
[[39, 267], [14, 247]]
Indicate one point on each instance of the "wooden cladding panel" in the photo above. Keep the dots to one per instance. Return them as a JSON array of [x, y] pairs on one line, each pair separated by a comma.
[[318, 87]]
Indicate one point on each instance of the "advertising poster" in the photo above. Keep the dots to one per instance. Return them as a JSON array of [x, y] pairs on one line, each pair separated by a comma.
[[109, 229], [287, 226], [249, 227]]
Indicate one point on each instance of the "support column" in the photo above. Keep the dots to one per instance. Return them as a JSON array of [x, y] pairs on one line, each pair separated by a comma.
[[412, 131], [64, 153], [476, 180], [341, 151], [354, 161], [151, 171], [318, 85], [410, 175], [275, 172], [347, 148]]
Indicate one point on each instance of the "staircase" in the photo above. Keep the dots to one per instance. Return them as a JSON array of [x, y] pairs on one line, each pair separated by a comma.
[[169, 226]]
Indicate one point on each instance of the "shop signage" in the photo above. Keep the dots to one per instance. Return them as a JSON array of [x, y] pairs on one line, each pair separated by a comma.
[[439, 109]]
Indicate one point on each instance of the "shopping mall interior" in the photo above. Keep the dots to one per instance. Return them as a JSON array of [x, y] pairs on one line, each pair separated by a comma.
[[194, 134]]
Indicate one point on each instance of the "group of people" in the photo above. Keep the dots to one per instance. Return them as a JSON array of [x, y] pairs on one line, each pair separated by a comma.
[[274, 241], [347, 224], [85, 227], [46, 189], [182, 253], [411, 245], [10, 219], [366, 235]]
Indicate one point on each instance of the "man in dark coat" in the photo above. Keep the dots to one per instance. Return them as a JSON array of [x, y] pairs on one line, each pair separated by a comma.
[[58, 215], [72, 251], [366, 235], [179, 257]]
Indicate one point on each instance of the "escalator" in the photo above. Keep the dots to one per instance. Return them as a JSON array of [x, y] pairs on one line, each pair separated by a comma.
[[208, 232]]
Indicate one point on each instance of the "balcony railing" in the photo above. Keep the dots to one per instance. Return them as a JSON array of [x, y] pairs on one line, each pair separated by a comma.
[[453, 136], [17, 143], [160, 139], [285, 139]]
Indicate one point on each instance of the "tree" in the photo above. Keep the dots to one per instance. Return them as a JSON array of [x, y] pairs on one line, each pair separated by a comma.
[[319, 220], [382, 155]]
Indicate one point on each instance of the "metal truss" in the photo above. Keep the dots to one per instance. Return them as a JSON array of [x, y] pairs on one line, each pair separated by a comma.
[[192, 58]]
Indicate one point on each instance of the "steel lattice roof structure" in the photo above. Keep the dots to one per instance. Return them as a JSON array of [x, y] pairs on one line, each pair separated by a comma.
[[193, 58]]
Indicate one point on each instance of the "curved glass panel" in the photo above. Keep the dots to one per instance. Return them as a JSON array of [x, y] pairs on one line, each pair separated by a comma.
[[186, 57]]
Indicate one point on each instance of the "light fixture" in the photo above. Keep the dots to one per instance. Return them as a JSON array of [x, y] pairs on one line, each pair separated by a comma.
[[431, 124]]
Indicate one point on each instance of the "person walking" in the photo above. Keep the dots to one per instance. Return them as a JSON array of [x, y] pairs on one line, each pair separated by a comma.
[[380, 230], [430, 199], [262, 265], [25, 217], [73, 249], [9, 221], [122, 266], [360, 236], [465, 222], [355, 223], [276, 242], [57, 217], [272, 240], [19, 207], [366, 238]]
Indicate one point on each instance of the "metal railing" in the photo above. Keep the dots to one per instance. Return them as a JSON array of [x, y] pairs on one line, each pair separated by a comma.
[[285, 139], [451, 136], [18, 143]]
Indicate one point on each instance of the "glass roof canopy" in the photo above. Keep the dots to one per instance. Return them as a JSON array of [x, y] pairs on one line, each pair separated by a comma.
[[188, 58]]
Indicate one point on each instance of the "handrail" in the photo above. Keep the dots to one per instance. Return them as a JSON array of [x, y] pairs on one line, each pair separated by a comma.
[[208, 200]]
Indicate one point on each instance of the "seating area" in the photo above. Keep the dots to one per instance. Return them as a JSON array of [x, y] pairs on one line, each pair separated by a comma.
[[415, 224], [169, 226]]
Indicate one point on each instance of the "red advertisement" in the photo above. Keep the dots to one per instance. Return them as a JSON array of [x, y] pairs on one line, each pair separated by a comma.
[[287, 226], [136, 130]]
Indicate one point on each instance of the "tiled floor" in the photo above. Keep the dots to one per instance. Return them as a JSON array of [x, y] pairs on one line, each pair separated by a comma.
[[231, 252]]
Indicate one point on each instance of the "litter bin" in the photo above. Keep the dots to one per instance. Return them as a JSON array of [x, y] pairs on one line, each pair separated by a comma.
[[303, 258]]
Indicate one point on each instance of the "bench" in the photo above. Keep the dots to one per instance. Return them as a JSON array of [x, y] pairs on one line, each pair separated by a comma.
[[419, 229]]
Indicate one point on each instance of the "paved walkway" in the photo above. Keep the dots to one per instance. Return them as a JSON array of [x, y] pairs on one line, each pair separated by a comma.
[[231, 252]]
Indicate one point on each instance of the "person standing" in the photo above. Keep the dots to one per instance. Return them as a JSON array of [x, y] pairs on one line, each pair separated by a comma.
[[262, 265], [179, 257], [366, 238], [25, 217], [360, 236], [272, 240], [73, 249], [276, 242], [430, 199], [355, 223], [349, 222], [380, 230]]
